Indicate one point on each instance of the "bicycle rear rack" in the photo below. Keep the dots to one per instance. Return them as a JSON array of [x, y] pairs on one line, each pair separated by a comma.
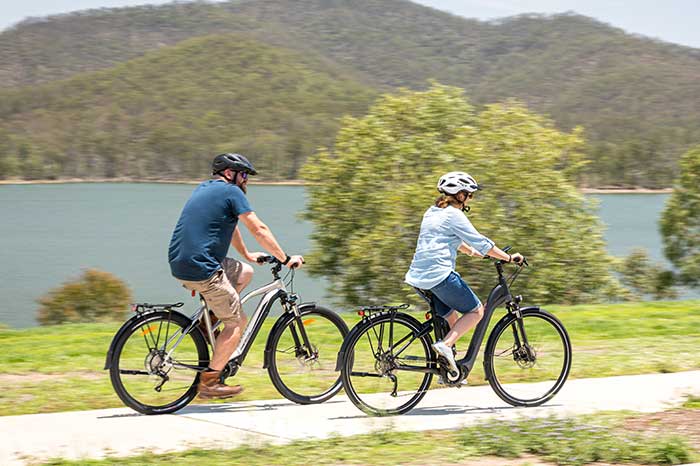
[[144, 307], [365, 310]]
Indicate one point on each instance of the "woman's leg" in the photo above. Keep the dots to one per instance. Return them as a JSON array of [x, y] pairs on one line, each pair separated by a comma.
[[463, 325], [454, 293]]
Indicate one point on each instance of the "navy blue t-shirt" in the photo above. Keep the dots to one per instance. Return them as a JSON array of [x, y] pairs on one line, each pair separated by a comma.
[[203, 232]]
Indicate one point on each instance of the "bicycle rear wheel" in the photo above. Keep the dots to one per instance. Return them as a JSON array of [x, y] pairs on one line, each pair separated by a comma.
[[155, 368], [306, 374], [385, 368], [527, 366]]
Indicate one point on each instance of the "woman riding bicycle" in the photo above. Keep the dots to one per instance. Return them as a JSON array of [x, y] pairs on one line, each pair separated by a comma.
[[444, 231]]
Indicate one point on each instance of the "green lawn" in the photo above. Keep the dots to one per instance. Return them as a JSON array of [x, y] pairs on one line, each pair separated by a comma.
[[59, 368]]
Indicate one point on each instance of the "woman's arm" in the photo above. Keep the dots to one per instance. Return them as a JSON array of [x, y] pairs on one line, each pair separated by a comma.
[[464, 248]]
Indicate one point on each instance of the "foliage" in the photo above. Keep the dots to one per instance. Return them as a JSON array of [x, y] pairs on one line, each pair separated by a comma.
[[645, 278], [680, 221], [637, 97], [564, 441], [366, 197], [166, 114], [95, 296], [568, 441]]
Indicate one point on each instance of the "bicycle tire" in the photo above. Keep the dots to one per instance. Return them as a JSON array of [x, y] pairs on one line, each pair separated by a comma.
[[301, 370], [194, 338], [539, 323], [368, 402]]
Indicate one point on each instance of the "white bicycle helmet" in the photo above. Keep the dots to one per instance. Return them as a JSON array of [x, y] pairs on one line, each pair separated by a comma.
[[454, 182]]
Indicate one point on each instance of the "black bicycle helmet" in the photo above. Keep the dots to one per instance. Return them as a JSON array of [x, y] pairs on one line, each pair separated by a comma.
[[235, 162]]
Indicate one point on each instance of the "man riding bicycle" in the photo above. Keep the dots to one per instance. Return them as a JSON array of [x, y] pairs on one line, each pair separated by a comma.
[[207, 226]]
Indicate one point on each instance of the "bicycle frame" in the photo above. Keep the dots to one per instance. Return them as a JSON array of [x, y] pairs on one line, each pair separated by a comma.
[[499, 294], [269, 293]]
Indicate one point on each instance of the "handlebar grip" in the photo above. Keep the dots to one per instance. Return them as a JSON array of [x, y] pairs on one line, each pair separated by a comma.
[[302, 261], [264, 259]]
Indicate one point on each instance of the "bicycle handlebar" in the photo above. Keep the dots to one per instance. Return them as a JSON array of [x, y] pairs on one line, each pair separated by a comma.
[[506, 249], [272, 260]]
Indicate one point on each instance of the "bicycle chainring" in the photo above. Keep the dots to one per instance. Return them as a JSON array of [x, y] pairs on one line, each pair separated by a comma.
[[453, 380]]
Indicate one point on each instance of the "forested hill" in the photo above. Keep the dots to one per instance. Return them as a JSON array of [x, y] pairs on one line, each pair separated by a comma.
[[639, 99], [165, 114]]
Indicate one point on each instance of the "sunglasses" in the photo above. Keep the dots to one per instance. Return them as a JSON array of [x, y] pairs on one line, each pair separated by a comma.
[[244, 175]]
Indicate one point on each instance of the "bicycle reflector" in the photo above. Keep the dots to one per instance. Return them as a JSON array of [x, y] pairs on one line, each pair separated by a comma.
[[193, 293], [148, 330], [361, 313], [308, 322]]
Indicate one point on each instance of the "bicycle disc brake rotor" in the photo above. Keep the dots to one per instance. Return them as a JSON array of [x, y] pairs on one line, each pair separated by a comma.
[[305, 359], [525, 357]]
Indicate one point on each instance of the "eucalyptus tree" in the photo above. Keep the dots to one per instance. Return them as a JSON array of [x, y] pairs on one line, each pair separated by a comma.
[[367, 196], [680, 221]]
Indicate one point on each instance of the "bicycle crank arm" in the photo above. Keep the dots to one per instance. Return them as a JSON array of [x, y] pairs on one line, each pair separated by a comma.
[[366, 374]]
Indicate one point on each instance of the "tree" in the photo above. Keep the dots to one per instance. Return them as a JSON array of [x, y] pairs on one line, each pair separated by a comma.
[[646, 278], [367, 196], [95, 296], [680, 220]]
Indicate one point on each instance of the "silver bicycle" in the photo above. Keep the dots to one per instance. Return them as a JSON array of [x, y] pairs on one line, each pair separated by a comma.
[[156, 357]]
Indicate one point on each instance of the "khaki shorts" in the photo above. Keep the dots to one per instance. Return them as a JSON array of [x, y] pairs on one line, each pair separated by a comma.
[[219, 293]]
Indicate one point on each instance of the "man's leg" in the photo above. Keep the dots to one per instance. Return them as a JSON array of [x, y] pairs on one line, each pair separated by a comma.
[[227, 342], [223, 299]]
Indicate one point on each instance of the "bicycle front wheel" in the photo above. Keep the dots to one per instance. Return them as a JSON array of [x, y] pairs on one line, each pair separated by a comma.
[[387, 363], [526, 365], [304, 352], [155, 367]]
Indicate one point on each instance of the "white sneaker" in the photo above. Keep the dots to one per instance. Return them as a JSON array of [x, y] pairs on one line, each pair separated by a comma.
[[446, 352]]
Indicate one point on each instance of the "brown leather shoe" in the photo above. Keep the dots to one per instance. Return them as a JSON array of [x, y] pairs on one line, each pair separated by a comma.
[[210, 386]]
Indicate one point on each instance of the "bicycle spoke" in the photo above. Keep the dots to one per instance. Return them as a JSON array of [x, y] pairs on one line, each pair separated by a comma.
[[141, 371], [304, 357], [529, 373], [374, 379]]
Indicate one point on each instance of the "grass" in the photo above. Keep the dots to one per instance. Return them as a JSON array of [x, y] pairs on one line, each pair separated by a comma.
[[565, 441], [693, 402], [59, 368]]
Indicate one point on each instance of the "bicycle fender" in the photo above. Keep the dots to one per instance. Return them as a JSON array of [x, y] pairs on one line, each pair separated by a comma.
[[124, 328], [281, 322], [359, 327]]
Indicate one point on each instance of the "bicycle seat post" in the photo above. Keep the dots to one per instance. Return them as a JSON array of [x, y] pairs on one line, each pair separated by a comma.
[[207, 322]]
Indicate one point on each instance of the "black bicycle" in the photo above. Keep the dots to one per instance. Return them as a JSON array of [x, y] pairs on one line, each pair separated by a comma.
[[387, 361], [156, 357]]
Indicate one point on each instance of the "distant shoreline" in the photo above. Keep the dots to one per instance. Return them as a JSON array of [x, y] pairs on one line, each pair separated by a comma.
[[289, 183], [128, 180]]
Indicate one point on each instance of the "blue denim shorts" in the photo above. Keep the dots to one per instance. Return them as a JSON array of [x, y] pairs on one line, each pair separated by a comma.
[[454, 293]]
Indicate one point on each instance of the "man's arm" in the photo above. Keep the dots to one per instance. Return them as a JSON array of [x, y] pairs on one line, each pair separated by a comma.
[[266, 239], [239, 245]]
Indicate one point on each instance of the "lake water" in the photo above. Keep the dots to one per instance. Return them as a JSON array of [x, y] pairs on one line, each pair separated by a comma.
[[50, 233]]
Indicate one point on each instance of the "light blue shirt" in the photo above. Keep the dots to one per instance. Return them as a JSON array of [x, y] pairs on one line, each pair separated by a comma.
[[441, 233]]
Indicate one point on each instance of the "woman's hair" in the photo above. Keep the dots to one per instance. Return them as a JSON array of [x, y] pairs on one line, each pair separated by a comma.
[[446, 199]]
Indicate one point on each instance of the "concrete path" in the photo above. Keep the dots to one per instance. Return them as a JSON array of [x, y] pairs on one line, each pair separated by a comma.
[[121, 432]]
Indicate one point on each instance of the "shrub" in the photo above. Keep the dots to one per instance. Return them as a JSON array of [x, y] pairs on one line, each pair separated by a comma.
[[95, 296]]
